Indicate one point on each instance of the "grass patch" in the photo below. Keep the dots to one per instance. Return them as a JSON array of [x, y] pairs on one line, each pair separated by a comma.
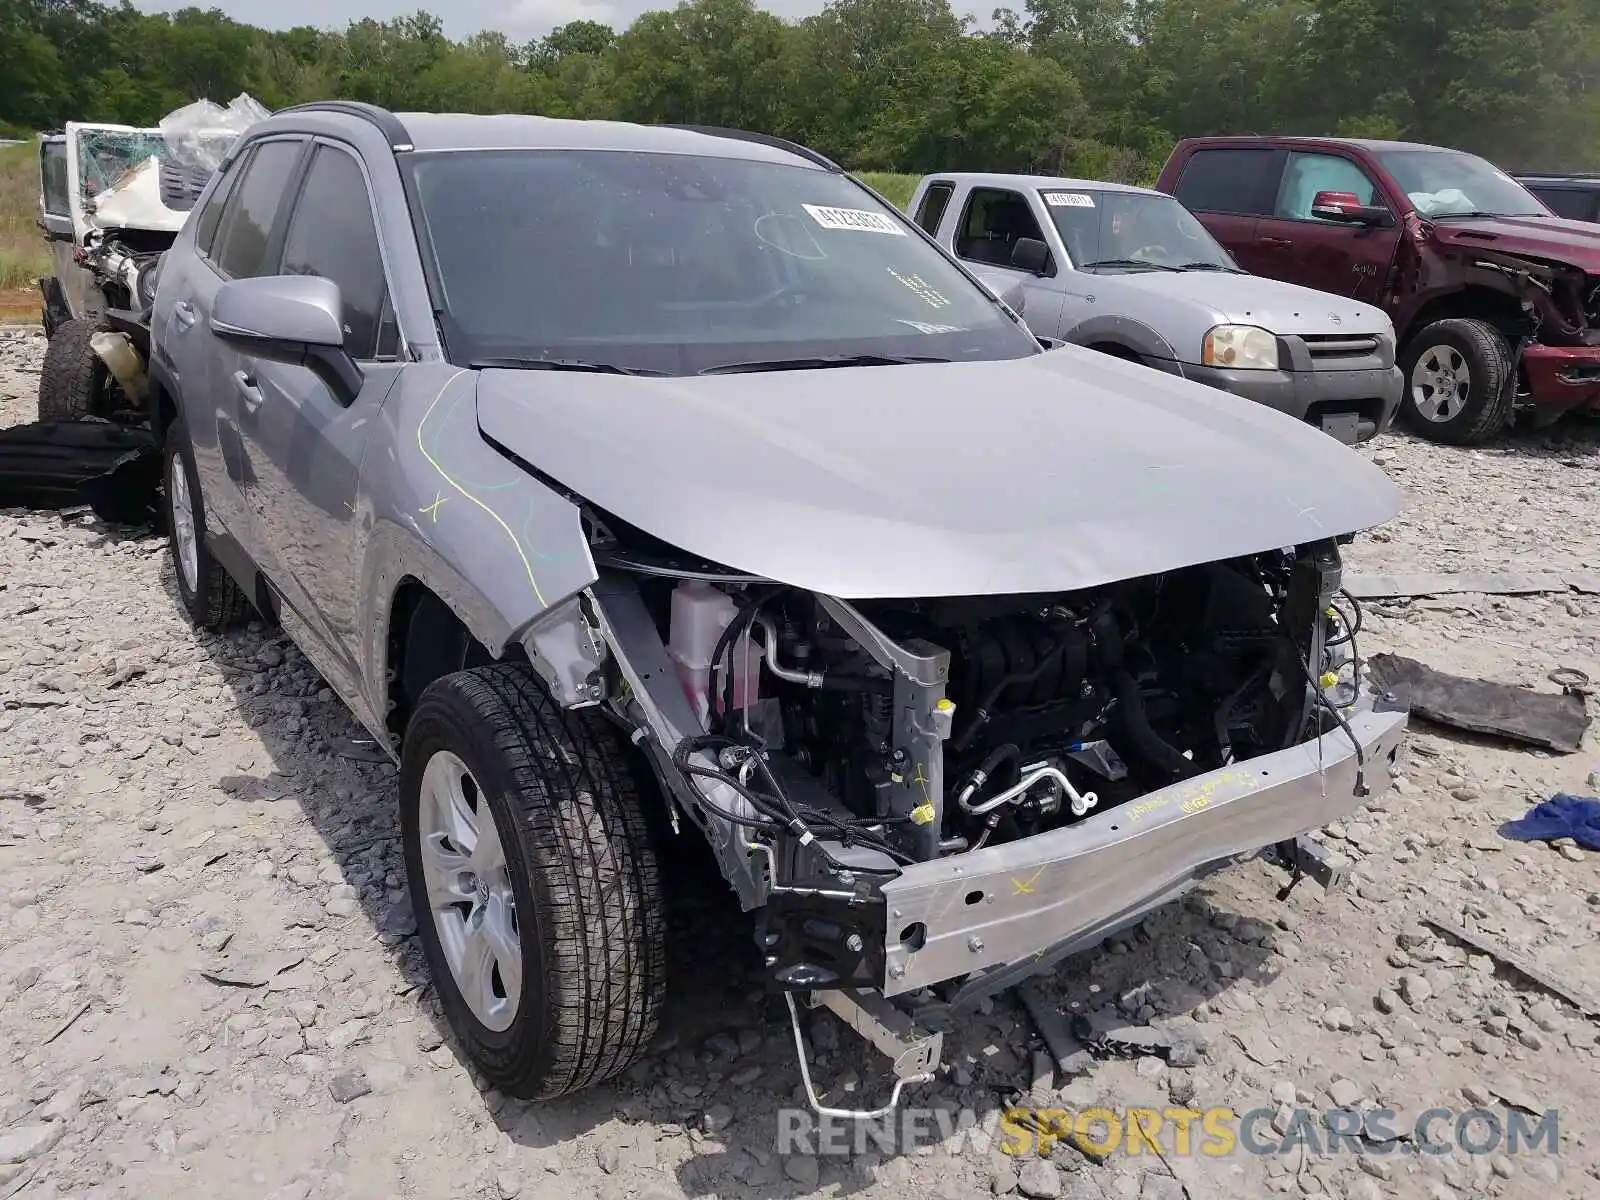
[[23, 257], [895, 188]]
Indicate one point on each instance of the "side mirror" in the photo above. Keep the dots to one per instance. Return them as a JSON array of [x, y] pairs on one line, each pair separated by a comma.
[[1031, 255], [291, 319], [1346, 208]]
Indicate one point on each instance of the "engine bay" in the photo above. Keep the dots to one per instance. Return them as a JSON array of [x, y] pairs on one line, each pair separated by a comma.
[[825, 746], [1049, 707]]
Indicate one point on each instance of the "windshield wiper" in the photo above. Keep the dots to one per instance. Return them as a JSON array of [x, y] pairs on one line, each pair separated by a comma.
[[1208, 266], [1127, 262], [825, 360], [559, 364], [1448, 216]]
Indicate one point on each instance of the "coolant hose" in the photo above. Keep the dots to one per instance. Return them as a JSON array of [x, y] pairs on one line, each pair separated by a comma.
[[1137, 724], [1135, 721]]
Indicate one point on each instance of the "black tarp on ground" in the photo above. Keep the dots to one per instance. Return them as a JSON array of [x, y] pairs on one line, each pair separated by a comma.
[[58, 464], [1555, 721]]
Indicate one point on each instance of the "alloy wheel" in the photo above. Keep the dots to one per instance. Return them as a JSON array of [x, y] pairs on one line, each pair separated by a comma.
[[1441, 381], [183, 531], [469, 890]]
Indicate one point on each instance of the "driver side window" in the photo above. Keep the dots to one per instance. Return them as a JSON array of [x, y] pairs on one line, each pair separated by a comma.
[[1308, 174], [994, 221]]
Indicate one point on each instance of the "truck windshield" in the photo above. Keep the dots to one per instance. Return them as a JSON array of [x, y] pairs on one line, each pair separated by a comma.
[[674, 264], [1110, 231], [1448, 183], [106, 155]]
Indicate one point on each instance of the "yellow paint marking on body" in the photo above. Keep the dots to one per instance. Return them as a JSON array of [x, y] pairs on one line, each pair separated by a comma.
[[1024, 887], [445, 475], [433, 509]]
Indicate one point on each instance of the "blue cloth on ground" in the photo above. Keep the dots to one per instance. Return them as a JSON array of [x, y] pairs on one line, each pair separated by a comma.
[[1576, 817]]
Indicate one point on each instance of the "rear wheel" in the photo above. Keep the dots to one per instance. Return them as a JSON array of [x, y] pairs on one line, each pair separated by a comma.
[[74, 383], [1459, 381], [209, 594], [534, 881]]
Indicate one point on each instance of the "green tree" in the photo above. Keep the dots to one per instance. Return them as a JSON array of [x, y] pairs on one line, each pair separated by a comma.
[[706, 62]]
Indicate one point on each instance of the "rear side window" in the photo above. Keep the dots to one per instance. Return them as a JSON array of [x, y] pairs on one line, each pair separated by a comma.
[[934, 201], [331, 234], [53, 178], [244, 240], [1230, 181], [205, 232]]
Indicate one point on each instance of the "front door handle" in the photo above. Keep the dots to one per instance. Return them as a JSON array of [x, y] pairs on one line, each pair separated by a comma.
[[1274, 241], [183, 312], [249, 394]]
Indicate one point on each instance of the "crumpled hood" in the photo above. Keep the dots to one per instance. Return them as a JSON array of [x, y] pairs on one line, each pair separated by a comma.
[[1054, 472], [1254, 300], [1576, 243]]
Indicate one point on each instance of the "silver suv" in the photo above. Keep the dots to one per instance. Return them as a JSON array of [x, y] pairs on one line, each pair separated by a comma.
[[1131, 272], [640, 483]]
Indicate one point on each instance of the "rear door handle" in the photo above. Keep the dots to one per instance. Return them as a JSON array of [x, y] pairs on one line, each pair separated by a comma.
[[184, 313], [249, 394]]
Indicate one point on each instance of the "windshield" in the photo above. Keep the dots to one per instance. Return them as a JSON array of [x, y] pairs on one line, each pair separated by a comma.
[[1444, 183], [105, 155], [1131, 231], [674, 264]]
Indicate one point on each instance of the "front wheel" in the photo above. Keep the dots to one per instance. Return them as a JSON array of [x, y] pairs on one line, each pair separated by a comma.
[[534, 882], [1459, 381], [74, 383]]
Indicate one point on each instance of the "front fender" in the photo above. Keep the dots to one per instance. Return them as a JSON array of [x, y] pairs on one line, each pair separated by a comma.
[[1142, 339], [499, 547]]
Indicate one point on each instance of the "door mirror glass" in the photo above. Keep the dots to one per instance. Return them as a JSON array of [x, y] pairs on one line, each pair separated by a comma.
[[1031, 255]]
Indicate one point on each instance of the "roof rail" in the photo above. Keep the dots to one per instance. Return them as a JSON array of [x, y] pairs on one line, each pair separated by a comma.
[[763, 139], [387, 123]]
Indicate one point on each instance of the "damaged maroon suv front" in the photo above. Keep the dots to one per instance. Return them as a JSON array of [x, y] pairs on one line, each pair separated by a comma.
[[1494, 298]]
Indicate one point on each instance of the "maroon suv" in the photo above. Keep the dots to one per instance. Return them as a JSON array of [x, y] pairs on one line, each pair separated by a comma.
[[1495, 300]]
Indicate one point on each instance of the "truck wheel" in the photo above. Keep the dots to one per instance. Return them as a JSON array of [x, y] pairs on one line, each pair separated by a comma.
[[209, 594], [533, 880], [1459, 381], [73, 383]]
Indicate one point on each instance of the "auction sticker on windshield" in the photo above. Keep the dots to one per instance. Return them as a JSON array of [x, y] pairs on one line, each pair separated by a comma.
[[1069, 200], [852, 218]]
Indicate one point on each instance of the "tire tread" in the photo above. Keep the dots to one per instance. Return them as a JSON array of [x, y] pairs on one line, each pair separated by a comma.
[[69, 381], [592, 858]]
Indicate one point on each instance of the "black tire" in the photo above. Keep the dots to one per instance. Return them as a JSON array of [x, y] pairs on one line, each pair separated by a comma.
[[1485, 355], [591, 924], [73, 383], [214, 600]]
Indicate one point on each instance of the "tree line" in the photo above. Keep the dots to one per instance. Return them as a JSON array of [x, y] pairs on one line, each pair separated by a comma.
[[1093, 87]]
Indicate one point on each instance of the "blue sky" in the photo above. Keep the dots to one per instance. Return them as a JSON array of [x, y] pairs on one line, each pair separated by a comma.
[[519, 19]]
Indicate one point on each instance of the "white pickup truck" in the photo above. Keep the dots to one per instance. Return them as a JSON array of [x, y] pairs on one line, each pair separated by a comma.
[[1131, 272]]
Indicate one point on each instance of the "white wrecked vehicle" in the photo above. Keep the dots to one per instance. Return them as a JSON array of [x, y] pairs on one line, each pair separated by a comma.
[[111, 200]]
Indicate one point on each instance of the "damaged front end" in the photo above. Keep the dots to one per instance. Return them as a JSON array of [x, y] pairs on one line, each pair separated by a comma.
[[927, 800], [1558, 350]]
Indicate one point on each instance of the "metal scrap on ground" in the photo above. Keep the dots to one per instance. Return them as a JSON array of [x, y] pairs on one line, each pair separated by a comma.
[[1556, 722], [1520, 963], [1480, 583]]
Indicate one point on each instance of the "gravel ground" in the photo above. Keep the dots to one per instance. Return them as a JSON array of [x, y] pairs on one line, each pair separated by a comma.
[[167, 797]]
